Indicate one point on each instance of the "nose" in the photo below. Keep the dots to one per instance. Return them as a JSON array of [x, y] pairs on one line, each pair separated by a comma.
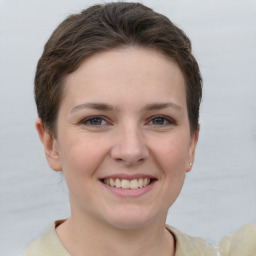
[[129, 146]]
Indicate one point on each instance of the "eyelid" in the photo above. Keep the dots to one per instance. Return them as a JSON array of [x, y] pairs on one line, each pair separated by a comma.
[[85, 121], [170, 120]]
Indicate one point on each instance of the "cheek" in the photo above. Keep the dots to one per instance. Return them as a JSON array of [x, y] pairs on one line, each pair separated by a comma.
[[172, 159], [173, 153], [82, 155]]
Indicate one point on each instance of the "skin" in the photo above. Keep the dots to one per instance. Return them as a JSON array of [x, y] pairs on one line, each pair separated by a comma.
[[123, 112]]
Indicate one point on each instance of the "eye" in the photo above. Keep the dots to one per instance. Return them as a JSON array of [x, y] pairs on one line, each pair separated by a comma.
[[161, 121], [94, 121]]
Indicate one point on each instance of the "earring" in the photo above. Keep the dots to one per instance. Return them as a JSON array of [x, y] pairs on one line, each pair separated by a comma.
[[190, 164]]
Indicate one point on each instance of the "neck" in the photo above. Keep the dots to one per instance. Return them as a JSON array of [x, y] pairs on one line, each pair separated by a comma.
[[88, 236]]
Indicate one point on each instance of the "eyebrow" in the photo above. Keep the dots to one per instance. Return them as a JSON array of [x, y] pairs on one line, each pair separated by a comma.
[[107, 107], [97, 106], [159, 106]]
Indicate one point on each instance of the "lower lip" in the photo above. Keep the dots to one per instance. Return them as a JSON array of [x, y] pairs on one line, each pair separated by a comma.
[[124, 192]]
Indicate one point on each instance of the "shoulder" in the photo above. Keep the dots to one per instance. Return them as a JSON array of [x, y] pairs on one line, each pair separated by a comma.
[[48, 244], [242, 242], [193, 246]]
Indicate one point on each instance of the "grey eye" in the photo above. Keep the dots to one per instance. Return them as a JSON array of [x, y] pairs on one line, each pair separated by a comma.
[[159, 121], [94, 121]]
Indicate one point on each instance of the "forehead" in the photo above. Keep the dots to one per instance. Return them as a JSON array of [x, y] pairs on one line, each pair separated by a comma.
[[126, 71]]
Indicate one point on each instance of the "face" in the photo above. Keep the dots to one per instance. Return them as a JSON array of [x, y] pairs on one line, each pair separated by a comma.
[[123, 137]]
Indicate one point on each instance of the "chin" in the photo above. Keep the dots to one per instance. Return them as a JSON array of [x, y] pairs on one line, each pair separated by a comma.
[[129, 224], [127, 219]]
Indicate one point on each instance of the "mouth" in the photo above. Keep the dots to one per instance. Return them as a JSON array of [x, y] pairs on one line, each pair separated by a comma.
[[128, 183]]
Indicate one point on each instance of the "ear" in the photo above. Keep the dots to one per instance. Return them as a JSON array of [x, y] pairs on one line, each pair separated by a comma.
[[50, 146], [192, 148]]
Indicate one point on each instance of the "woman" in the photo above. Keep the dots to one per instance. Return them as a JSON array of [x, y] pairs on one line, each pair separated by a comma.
[[118, 94]]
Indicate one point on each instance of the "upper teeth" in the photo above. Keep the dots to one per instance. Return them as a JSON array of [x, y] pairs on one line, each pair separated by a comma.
[[129, 184]]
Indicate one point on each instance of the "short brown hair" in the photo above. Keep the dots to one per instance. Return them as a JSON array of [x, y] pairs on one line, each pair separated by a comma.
[[108, 26]]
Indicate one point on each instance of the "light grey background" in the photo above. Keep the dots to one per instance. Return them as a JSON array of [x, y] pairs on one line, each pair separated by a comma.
[[219, 193]]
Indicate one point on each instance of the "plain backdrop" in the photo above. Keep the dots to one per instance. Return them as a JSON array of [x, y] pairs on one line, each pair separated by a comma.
[[219, 194]]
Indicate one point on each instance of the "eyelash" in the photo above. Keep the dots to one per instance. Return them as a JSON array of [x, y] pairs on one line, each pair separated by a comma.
[[93, 118], [166, 121]]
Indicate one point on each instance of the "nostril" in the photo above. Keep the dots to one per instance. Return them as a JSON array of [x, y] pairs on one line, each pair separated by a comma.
[[128, 159], [133, 162], [130, 150]]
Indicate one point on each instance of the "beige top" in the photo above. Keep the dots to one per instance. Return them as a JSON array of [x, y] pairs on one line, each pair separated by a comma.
[[50, 245], [241, 243]]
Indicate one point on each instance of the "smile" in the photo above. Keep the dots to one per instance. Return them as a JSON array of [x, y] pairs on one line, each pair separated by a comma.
[[127, 184]]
